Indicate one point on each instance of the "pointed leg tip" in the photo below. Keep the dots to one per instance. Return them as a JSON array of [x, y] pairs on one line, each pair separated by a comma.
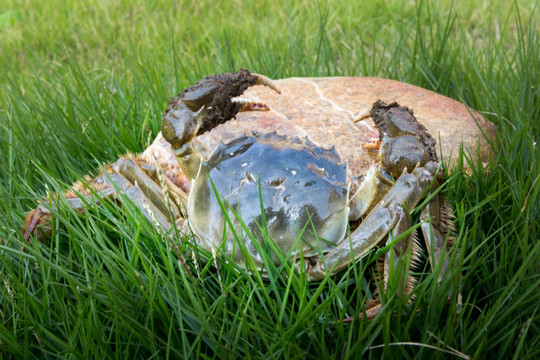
[[370, 313], [266, 81], [30, 223]]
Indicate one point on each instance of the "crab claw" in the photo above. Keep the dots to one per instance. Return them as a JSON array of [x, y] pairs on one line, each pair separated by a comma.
[[404, 142], [210, 102]]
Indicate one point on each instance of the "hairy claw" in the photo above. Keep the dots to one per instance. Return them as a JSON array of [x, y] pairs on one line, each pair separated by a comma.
[[209, 103], [399, 121]]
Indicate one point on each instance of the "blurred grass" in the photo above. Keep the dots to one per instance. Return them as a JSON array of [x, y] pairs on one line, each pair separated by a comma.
[[82, 82]]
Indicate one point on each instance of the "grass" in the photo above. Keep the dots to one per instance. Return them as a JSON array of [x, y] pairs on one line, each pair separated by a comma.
[[82, 82]]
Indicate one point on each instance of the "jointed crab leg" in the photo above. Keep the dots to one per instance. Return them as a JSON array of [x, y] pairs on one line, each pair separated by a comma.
[[140, 185], [404, 143], [143, 200], [405, 193], [135, 175], [394, 263]]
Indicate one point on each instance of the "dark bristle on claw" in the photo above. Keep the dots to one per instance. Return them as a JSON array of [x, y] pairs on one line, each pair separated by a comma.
[[221, 107], [382, 112]]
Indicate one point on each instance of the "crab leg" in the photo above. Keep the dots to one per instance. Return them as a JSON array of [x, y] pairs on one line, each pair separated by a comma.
[[395, 263], [140, 179], [436, 222], [142, 199], [406, 193], [393, 260], [141, 186]]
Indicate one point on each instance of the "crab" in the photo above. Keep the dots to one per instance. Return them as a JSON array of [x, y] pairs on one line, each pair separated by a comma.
[[284, 189]]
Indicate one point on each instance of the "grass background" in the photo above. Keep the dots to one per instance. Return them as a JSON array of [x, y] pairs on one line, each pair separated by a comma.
[[81, 82]]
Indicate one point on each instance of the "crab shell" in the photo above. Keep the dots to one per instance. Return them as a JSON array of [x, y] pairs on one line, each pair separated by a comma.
[[302, 187]]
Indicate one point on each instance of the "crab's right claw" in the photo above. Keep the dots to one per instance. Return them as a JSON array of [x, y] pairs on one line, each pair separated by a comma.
[[212, 101]]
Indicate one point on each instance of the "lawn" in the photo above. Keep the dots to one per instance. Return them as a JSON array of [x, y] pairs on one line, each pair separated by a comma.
[[85, 81]]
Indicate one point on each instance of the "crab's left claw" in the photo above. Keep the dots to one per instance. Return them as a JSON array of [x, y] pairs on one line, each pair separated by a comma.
[[404, 142], [407, 155], [212, 101]]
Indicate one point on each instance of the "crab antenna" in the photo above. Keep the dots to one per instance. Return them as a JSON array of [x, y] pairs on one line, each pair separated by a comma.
[[263, 80]]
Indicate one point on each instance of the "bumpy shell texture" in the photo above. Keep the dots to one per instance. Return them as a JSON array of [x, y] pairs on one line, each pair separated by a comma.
[[301, 187]]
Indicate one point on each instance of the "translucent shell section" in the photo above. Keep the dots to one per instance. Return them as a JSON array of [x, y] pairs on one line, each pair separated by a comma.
[[302, 187]]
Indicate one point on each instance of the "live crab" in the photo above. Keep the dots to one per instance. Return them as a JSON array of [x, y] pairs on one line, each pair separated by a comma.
[[294, 189]]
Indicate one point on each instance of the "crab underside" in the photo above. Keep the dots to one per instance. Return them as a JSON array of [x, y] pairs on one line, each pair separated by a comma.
[[289, 190]]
